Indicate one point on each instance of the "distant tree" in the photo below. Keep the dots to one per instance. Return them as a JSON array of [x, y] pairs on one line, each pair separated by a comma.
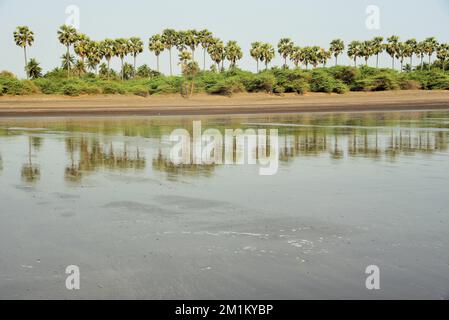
[[233, 53], [33, 69], [392, 48], [443, 54], [205, 38], [296, 56], [378, 47], [256, 53], [156, 46], [135, 47], [121, 50], [81, 46], [80, 67], [67, 61], [324, 56], [24, 38], [337, 47], [67, 36], [94, 56], [410, 49], [430, 46], [107, 50], [169, 39], [366, 50], [268, 54], [354, 51], [285, 47], [217, 52]]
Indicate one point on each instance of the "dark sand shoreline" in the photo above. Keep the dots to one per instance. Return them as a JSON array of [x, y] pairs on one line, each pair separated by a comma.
[[41, 105]]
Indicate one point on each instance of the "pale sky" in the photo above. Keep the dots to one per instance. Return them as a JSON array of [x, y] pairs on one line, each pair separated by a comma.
[[306, 22]]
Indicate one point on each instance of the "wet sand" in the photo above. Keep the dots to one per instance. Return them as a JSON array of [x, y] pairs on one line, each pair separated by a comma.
[[202, 104]]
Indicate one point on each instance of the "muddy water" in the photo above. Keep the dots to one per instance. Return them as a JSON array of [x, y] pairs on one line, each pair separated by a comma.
[[352, 190]]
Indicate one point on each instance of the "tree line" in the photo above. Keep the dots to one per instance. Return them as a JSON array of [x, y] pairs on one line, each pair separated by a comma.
[[90, 53]]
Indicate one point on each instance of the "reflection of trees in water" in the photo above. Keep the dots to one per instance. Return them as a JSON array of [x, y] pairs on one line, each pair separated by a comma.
[[369, 143], [89, 155], [31, 172], [163, 163]]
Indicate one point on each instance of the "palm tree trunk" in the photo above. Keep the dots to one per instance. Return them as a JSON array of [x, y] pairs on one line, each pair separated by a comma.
[[123, 71], [204, 59], [157, 58], [109, 69], [411, 62], [430, 56], [422, 62], [336, 60], [171, 69], [68, 61], [257, 64], [26, 60], [135, 58], [392, 66], [377, 61]]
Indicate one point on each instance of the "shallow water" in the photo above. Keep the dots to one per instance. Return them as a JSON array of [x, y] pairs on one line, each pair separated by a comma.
[[352, 190]]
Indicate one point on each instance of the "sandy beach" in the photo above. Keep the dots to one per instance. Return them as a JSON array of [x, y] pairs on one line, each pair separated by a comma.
[[48, 105]]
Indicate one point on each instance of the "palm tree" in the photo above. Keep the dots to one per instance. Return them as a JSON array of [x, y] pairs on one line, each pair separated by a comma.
[[392, 47], [443, 54], [401, 53], [121, 50], [285, 47], [256, 53], [217, 52], [156, 46], [81, 46], [430, 46], [80, 67], [67, 60], [67, 35], [354, 51], [377, 47], [314, 55], [205, 39], [410, 49], [323, 56], [420, 52], [366, 50], [296, 56], [268, 53], [33, 69], [233, 53], [24, 37], [191, 39], [337, 47], [94, 56], [135, 47], [107, 50], [169, 39]]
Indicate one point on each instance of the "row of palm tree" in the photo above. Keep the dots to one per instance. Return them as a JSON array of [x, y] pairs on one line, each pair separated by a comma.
[[90, 53]]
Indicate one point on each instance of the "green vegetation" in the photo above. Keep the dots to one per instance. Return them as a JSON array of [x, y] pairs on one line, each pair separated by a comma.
[[87, 70]]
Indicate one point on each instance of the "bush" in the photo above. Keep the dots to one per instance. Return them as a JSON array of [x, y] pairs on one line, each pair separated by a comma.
[[112, 88], [139, 90], [346, 74], [71, 89], [322, 82], [227, 87], [406, 84], [263, 82], [12, 86], [381, 82], [299, 86]]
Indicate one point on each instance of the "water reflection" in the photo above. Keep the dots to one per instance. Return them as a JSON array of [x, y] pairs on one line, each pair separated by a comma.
[[31, 172], [89, 155], [121, 144]]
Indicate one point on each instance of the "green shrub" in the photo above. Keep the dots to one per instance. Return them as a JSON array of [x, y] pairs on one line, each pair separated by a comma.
[[346, 74], [71, 89], [112, 88], [340, 87], [227, 87], [381, 82], [299, 86], [13, 86], [322, 82], [139, 90], [263, 82]]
